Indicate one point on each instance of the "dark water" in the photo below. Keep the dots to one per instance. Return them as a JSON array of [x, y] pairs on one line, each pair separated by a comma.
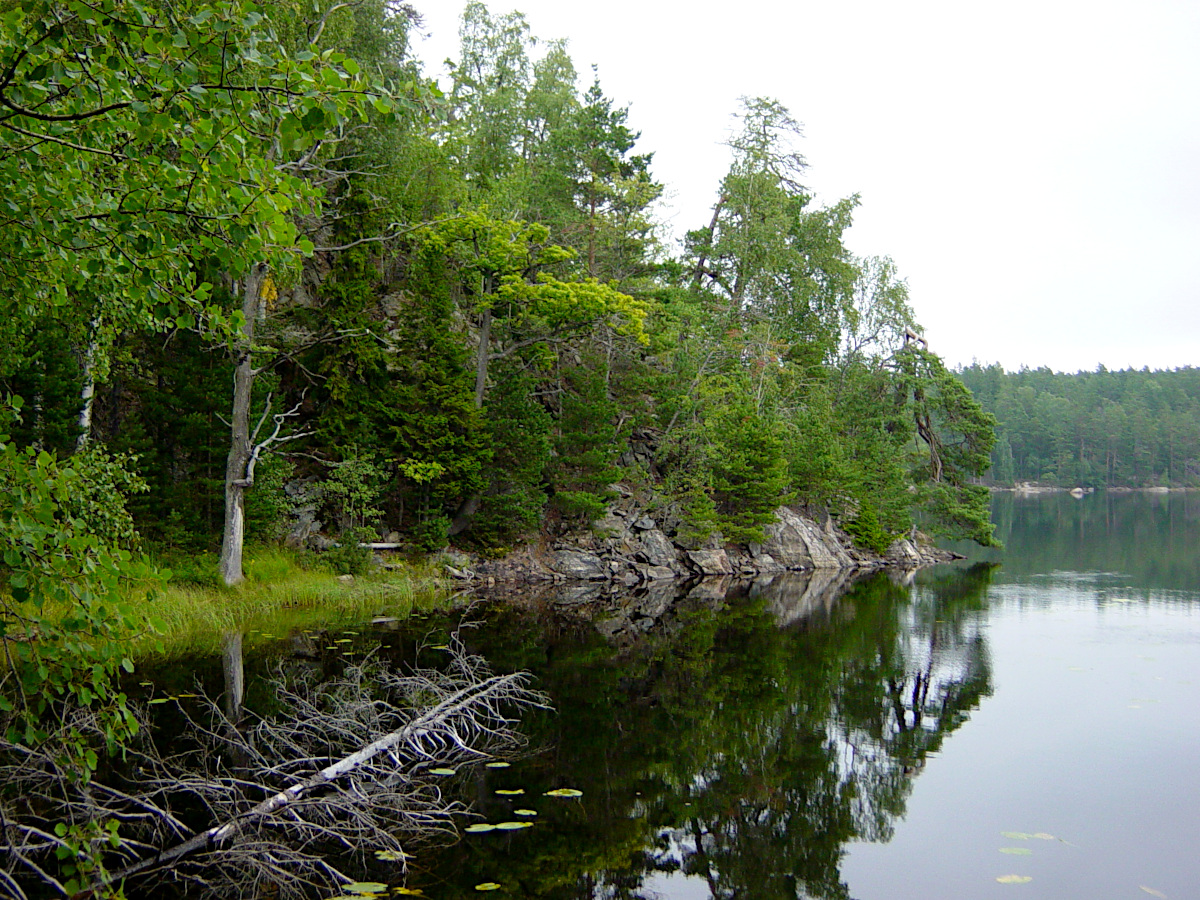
[[780, 741], [809, 737]]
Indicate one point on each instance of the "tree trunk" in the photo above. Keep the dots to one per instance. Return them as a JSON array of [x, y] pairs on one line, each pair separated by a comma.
[[237, 476], [87, 393], [235, 674], [706, 247], [481, 357]]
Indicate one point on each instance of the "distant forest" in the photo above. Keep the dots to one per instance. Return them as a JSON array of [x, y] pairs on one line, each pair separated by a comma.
[[1092, 429]]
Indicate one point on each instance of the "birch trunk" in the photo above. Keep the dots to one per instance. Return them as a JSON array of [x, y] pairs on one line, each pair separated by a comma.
[[238, 476], [87, 393]]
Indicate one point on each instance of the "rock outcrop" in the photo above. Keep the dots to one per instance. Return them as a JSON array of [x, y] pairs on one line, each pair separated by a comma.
[[631, 546]]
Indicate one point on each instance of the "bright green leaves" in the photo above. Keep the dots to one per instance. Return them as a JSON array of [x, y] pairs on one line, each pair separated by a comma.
[[561, 305], [154, 146], [499, 265], [62, 527]]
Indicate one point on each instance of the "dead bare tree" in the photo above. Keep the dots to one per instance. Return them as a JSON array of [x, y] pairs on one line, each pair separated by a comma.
[[338, 776]]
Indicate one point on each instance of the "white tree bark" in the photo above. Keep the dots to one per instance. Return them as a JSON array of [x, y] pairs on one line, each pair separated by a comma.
[[239, 474], [87, 393]]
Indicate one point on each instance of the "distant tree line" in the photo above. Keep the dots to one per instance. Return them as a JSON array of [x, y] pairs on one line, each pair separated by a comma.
[[1092, 429]]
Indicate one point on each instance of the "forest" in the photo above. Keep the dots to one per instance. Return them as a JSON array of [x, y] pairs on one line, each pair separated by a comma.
[[442, 315], [262, 278], [1101, 429]]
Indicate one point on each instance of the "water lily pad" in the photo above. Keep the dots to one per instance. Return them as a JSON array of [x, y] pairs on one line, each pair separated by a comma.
[[365, 887], [440, 647], [1015, 879], [391, 855], [1016, 835], [512, 793], [1016, 851], [443, 771], [487, 886], [408, 892], [1152, 892], [1042, 836], [498, 765], [479, 827], [564, 792], [513, 826], [157, 700], [524, 812]]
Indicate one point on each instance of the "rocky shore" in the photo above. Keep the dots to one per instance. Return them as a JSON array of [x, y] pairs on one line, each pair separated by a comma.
[[630, 547]]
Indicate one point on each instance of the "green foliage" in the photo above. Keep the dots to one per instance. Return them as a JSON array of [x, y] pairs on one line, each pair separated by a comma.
[[585, 448], [350, 557], [957, 437], [63, 610], [519, 433], [864, 527], [688, 488], [353, 490], [90, 94], [749, 471], [45, 369], [165, 404], [268, 506]]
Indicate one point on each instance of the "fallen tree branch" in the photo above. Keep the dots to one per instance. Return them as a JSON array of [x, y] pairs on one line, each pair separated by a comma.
[[338, 772], [496, 688]]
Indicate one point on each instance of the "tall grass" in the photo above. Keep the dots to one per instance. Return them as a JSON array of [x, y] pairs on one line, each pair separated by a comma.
[[282, 592]]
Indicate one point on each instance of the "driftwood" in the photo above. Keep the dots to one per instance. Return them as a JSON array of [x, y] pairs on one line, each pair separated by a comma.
[[344, 774]]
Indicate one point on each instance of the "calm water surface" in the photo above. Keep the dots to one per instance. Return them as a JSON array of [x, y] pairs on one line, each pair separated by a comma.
[[781, 741]]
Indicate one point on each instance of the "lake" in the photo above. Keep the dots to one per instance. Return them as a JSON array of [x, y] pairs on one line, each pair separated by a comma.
[[1023, 723]]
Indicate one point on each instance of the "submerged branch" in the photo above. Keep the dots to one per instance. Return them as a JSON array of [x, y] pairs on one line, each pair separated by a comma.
[[343, 771]]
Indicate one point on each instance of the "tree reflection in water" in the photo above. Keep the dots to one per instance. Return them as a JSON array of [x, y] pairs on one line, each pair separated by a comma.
[[721, 745]]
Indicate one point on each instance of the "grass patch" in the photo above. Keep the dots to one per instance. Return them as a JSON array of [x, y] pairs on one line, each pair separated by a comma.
[[283, 591]]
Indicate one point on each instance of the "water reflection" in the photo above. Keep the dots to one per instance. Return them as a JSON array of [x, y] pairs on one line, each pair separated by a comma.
[[730, 740], [1150, 539]]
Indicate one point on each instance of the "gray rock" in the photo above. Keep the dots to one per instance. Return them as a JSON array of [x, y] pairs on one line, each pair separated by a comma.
[[455, 558], [904, 552], [655, 548], [710, 562], [578, 565], [319, 542], [656, 573], [609, 525], [645, 523], [765, 563], [796, 543]]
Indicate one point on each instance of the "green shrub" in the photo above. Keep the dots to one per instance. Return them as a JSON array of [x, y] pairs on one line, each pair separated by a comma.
[[866, 530], [349, 557]]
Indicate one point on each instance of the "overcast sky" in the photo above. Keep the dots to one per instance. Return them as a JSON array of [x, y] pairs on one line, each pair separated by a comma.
[[1033, 167]]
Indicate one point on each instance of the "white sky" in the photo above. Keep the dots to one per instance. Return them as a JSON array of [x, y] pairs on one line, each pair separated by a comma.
[[1033, 166]]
